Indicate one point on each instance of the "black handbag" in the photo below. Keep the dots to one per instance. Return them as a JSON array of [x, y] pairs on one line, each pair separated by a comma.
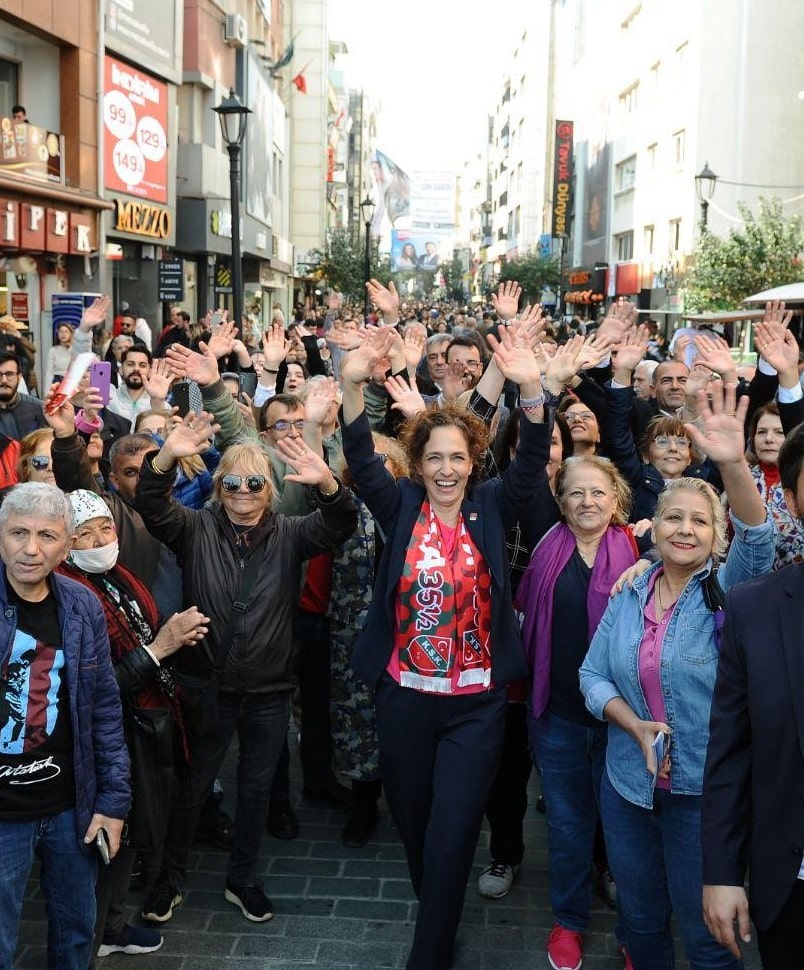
[[150, 736]]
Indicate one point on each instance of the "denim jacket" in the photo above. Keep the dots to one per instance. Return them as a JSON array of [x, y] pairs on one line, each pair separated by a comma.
[[687, 673]]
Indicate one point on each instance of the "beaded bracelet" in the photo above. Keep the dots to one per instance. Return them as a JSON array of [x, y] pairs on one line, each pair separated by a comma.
[[528, 404]]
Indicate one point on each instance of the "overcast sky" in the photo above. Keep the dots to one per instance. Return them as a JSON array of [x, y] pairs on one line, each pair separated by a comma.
[[435, 67]]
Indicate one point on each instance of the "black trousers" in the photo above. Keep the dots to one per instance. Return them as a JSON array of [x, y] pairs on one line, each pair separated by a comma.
[[508, 798], [780, 945], [438, 758]]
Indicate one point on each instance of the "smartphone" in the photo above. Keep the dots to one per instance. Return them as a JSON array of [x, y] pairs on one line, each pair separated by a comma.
[[102, 845], [216, 319], [100, 377], [248, 383], [186, 396], [660, 745]]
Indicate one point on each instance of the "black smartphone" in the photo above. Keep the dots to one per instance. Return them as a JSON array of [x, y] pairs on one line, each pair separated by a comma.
[[248, 383], [186, 396], [102, 845]]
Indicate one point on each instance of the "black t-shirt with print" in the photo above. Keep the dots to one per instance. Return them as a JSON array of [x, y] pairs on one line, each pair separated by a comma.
[[36, 745]]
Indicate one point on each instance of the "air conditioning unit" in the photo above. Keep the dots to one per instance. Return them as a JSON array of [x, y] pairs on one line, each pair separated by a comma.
[[235, 31]]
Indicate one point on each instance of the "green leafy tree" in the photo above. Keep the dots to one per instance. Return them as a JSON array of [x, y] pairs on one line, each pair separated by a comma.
[[341, 264], [766, 252], [533, 272], [453, 278]]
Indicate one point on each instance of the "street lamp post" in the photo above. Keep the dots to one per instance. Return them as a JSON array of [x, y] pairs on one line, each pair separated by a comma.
[[367, 215], [705, 182], [233, 116]]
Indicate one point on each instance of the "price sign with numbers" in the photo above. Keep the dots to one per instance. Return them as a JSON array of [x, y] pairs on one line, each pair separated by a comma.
[[135, 114]]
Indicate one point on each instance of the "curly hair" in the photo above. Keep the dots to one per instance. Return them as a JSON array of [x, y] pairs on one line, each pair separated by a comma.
[[702, 488], [416, 433], [619, 486]]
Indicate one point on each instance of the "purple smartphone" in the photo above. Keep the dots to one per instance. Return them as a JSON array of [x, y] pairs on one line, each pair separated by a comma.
[[100, 377]]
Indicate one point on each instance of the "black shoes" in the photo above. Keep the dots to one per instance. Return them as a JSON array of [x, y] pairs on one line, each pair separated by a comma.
[[361, 823], [251, 901], [332, 794], [216, 828], [282, 822], [160, 903]]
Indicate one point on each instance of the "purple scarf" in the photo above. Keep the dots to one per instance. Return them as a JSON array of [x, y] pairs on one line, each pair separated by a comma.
[[617, 551]]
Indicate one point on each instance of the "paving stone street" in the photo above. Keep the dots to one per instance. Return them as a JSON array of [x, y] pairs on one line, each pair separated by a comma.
[[339, 908]]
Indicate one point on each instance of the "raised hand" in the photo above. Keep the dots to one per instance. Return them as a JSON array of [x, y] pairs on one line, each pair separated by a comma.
[[191, 436], [186, 364], [779, 348], [358, 365], [95, 314], [455, 380], [386, 299], [516, 363], [722, 422], [617, 322], [346, 339], [62, 418], [414, 340], [506, 299], [633, 348], [406, 397], [319, 399], [221, 343], [680, 347], [531, 322], [563, 365], [275, 346], [309, 468], [157, 384], [714, 353], [776, 317]]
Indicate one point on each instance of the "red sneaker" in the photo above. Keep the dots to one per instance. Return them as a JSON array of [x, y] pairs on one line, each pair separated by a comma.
[[564, 949], [627, 964]]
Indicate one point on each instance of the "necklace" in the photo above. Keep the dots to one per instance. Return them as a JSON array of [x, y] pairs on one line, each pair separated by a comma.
[[588, 555], [658, 589]]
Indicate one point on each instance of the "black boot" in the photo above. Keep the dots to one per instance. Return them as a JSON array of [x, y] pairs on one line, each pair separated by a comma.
[[363, 816]]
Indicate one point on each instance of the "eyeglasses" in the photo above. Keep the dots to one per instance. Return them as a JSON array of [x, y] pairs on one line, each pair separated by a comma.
[[9, 375], [468, 364], [665, 441], [232, 483], [382, 456], [286, 425], [579, 415], [39, 462]]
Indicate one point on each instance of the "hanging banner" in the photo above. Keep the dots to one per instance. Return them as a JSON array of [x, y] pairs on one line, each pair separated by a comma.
[[562, 178]]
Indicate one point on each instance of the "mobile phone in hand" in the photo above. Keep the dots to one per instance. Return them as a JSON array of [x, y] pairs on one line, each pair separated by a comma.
[[102, 845], [100, 377]]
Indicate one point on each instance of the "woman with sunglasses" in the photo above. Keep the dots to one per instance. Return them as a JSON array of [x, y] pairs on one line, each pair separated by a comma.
[[242, 564], [34, 463]]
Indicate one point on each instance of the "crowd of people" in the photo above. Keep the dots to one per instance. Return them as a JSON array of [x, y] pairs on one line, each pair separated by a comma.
[[466, 545]]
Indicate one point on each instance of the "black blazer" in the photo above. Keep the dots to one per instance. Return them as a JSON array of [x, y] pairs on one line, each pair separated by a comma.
[[753, 798], [488, 510]]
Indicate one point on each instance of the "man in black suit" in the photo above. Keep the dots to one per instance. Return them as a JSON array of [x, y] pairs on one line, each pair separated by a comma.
[[753, 799]]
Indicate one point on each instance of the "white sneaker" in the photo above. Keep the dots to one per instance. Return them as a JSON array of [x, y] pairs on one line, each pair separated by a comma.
[[496, 881]]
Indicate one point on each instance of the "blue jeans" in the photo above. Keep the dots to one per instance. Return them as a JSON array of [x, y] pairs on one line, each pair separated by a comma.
[[68, 883], [655, 858], [570, 759], [261, 723]]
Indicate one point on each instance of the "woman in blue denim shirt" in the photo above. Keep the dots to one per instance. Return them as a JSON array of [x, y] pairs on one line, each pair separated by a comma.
[[650, 670]]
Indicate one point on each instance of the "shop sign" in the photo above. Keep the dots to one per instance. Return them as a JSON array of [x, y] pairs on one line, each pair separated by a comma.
[[562, 177], [171, 279], [142, 219], [42, 228], [31, 152], [223, 278], [19, 306], [220, 223], [135, 118]]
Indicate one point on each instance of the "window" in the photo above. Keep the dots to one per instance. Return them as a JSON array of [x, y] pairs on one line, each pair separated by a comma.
[[625, 246], [675, 235], [9, 93], [652, 156], [679, 139], [647, 240], [628, 99], [625, 174]]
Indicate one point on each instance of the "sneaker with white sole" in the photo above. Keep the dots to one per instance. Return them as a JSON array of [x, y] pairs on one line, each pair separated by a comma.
[[161, 902], [496, 881], [564, 950], [131, 940], [252, 902]]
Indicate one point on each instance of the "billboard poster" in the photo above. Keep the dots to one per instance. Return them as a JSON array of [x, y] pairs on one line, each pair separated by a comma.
[[30, 151], [390, 192], [260, 138], [419, 250], [432, 200], [562, 178], [145, 31], [135, 117]]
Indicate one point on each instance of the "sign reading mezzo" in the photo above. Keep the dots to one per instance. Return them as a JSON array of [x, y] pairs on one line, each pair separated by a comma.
[[135, 127]]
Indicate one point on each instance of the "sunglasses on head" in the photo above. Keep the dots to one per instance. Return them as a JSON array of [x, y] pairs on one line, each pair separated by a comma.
[[232, 483], [39, 462]]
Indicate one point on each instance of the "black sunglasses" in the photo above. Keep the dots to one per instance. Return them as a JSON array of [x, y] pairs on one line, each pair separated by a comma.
[[232, 483], [39, 462]]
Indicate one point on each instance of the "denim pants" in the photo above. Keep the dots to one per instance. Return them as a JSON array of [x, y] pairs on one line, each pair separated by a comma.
[[656, 860], [68, 883], [570, 758], [261, 723]]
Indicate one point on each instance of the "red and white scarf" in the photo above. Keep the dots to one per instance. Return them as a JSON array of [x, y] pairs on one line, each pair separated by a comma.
[[443, 612]]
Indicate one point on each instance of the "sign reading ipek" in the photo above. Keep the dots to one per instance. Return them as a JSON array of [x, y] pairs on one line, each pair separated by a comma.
[[143, 219]]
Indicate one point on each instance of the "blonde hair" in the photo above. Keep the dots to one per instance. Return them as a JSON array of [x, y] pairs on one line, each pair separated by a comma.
[[252, 459], [29, 446], [619, 486], [705, 489]]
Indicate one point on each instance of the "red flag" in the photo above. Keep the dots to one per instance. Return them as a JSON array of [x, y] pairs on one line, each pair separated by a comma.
[[300, 82]]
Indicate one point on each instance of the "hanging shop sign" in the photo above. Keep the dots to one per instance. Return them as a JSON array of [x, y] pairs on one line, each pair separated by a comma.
[[562, 178]]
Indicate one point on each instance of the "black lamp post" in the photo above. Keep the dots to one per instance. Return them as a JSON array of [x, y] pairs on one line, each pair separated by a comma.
[[705, 182], [233, 116], [367, 215]]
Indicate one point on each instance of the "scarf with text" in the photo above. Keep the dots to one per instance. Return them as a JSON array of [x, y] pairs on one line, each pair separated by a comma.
[[443, 612]]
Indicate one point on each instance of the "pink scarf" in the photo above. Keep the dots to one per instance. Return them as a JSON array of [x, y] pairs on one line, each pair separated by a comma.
[[617, 551]]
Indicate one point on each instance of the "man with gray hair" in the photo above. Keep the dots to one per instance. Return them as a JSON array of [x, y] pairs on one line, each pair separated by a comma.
[[64, 766]]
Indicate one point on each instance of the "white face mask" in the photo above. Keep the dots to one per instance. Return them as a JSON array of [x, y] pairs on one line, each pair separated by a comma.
[[99, 560]]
